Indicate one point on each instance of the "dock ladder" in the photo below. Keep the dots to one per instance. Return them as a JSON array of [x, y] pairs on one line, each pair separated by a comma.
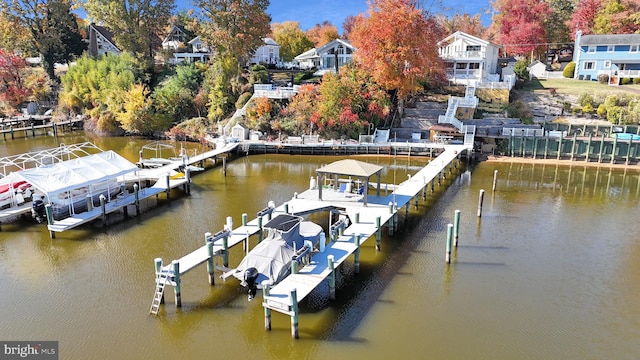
[[161, 282]]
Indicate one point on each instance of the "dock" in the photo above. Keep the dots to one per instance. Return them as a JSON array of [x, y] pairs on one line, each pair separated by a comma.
[[366, 219]]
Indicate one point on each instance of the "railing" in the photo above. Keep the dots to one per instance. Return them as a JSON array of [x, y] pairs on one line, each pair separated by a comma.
[[507, 131], [629, 73], [274, 92], [461, 54]]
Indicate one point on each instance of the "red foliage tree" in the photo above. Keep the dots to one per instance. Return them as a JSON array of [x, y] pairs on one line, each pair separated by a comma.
[[12, 89], [521, 24], [347, 25], [396, 45], [584, 16]]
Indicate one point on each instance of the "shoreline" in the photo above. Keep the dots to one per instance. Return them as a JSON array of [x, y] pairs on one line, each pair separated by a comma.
[[563, 162]]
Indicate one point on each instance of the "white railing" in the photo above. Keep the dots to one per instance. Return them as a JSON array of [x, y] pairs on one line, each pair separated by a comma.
[[274, 92], [629, 73], [461, 54], [508, 131], [469, 134]]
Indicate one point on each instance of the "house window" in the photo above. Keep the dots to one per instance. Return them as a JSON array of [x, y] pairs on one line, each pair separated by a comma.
[[474, 47], [474, 65], [633, 48], [461, 66], [589, 65], [448, 65], [610, 48], [197, 46], [592, 49], [607, 64]]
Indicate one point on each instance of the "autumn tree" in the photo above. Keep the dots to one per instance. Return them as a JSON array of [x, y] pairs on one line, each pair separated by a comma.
[[136, 24], [291, 39], [466, 23], [557, 23], [14, 38], [322, 34], [53, 29], [618, 17], [521, 24], [234, 28], [584, 16], [12, 89], [395, 44], [347, 25], [296, 116]]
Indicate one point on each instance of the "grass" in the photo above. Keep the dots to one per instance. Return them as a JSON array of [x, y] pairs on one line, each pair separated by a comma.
[[565, 86]]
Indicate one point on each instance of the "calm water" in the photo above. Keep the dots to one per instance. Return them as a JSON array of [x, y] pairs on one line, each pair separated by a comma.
[[550, 271]]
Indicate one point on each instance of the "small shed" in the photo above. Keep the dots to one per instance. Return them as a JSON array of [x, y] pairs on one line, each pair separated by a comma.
[[537, 70], [350, 168], [240, 131]]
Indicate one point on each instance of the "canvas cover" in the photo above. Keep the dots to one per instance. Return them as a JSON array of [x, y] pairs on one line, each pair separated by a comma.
[[77, 173], [271, 257]]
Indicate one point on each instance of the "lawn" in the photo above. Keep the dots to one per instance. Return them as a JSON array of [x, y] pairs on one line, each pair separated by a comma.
[[565, 86]]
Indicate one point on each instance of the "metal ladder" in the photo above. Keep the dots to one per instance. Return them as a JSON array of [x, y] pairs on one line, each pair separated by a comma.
[[161, 282]]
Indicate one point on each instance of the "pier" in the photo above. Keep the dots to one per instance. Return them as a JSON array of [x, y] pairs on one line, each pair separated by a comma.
[[367, 215]]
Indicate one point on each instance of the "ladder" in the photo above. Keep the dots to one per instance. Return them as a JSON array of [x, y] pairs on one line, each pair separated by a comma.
[[161, 282]]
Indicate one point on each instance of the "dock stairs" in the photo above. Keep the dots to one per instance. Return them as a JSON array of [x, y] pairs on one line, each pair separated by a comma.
[[161, 282]]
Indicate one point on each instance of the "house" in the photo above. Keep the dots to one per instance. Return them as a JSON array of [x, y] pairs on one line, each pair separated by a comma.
[[328, 57], [177, 38], [537, 70], [240, 131], [101, 41], [468, 58], [269, 53], [614, 55], [200, 52]]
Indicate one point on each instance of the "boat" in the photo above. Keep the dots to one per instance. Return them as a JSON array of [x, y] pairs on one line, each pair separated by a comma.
[[14, 193], [288, 238]]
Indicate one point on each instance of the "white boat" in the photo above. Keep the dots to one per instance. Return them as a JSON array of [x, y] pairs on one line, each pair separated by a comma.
[[14, 193], [288, 239]]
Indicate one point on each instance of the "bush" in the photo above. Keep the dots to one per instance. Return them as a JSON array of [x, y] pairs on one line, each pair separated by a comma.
[[519, 109], [625, 81], [520, 69], [569, 70], [602, 110], [585, 98], [603, 79], [587, 108], [242, 99], [636, 81]]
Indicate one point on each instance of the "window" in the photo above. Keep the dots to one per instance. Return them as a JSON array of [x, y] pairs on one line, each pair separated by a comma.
[[461, 66], [589, 65], [592, 49], [610, 48], [607, 64], [449, 65], [633, 48], [474, 65], [474, 47]]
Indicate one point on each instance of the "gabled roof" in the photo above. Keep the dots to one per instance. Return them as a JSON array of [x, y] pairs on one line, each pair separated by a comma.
[[471, 38], [188, 34], [270, 41], [610, 39], [350, 167], [333, 43], [106, 33], [307, 55]]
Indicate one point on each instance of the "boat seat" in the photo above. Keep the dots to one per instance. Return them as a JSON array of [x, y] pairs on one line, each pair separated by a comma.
[[343, 188]]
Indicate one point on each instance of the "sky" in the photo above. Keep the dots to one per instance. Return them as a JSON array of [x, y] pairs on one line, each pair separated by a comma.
[[311, 12]]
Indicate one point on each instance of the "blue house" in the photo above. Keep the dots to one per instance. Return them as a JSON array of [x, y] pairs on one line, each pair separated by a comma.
[[615, 55]]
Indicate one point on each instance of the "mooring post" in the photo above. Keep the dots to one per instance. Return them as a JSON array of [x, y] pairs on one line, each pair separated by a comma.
[[267, 311], [449, 236], [11, 131], [323, 241], [176, 277], [357, 218], [187, 174], [225, 249], [294, 265], [286, 208], [294, 310], [210, 267], [495, 180], [480, 200], [378, 232], [49, 211], [332, 278], [395, 220], [136, 189], [168, 184], [103, 208], [33, 130], [391, 218], [456, 227], [356, 254], [260, 228], [89, 202], [224, 165], [158, 265], [424, 188], [613, 150]]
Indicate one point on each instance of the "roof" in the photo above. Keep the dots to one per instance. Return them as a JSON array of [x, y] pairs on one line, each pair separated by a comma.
[[351, 167], [460, 34], [77, 173], [333, 43], [610, 39], [309, 54], [270, 41], [106, 33]]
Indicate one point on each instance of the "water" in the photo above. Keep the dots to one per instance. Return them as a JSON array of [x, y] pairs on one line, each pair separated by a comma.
[[550, 271]]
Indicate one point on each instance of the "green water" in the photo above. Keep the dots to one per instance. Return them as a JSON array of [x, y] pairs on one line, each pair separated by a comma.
[[550, 271]]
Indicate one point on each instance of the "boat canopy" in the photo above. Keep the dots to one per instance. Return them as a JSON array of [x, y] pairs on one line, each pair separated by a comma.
[[76, 173]]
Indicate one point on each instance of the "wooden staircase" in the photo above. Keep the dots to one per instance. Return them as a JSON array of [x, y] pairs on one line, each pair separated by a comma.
[[158, 296]]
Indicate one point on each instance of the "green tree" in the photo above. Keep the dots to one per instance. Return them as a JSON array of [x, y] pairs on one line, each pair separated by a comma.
[[556, 24], [136, 24], [175, 96], [291, 39], [520, 69], [617, 17]]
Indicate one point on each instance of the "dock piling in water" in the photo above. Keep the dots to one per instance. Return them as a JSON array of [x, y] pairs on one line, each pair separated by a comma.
[[449, 236], [267, 311], [480, 200], [294, 309], [49, 211], [210, 267], [176, 288], [356, 254], [103, 208], [456, 227], [332, 277], [495, 180], [378, 232]]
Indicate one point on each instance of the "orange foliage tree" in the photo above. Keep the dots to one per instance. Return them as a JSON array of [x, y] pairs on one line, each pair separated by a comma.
[[396, 45], [322, 34]]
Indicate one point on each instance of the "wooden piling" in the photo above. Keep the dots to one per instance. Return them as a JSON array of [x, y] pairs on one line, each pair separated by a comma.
[[293, 297], [260, 227], [456, 227], [294, 265], [332, 277], [49, 211], [495, 180], [168, 177], [267, 312], [176, 276], [378, 232], [136, 190], [390, 228], [225, 247], [224, 165], [356, 254], [448, 248], [210, 267], [89, 202], [480, 200], [103, 208]]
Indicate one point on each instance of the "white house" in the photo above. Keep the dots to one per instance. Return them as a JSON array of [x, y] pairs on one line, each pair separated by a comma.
[[101, 41], [328, 57], [200, 52], [177, 37], [537, 70], [469, 58], [308, 59], [269, 53]]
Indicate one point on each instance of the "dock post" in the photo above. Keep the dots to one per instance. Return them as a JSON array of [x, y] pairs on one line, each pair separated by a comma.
[[136, 188], [449, 236], [49, 211], [294, 310], [244, 219], [187, 174], [480, 200], [267, 311], [323, 241], [225, 247], [33, 130], [416, 197], [103, 208], [396, 219], [294, 265], [11, 131], [158, 264], [89, 202], [210, 267], [332, 278], [286, 208], [356, 254], [224, 165], [140, 157], [55, 129], [176, 276], [378, 233], [260, 228], [357, 218], [168, 184], [424, 189], [439, 174], [456, 227], [391, 218], [432, 186], [495, 180]]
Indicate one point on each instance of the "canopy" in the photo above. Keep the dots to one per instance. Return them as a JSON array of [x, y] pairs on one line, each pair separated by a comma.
[[77, 173], [350, 167]]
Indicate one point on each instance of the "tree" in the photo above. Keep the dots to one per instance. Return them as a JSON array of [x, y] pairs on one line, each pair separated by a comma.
[[14, 38], [556, 24], [347, 25], [584, 16], [322, 34], [234, 28], [395, 45], [12, 89], [466, 23], [521, 24], [136, 24], [291, 39], [617, 17], [53, 29]]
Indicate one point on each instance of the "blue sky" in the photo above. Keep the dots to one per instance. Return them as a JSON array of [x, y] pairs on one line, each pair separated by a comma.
[[311, 12]]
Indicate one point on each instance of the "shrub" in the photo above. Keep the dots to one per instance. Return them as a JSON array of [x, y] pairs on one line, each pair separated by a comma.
[[625, 81], [566, 106], [519, 109], [636, 80], [587, 108], [520, 69], [569, 70], [242, 99], [602, 110], [603, 79], [576, 111], [585, 98]]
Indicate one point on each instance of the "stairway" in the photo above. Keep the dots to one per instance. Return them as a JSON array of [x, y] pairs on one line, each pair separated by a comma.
[[161, 282]]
